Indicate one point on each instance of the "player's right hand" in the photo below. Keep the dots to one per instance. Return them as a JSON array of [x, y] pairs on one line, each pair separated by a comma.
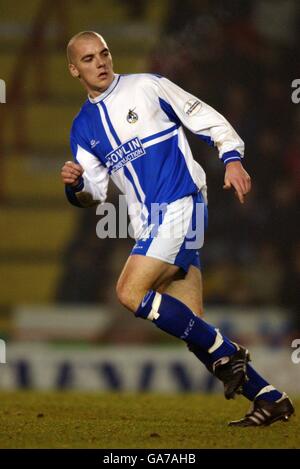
[[71, 172]]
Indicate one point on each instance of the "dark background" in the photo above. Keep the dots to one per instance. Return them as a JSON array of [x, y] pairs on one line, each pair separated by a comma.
[[238, 56]]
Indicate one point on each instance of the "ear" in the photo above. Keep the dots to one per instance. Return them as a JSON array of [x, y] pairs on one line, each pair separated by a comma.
[[73, 70]]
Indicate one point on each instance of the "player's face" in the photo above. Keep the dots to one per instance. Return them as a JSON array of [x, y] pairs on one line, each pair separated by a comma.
[[92, 65]]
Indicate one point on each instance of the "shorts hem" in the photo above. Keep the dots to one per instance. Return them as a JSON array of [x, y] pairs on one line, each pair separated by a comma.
[[178, 264]]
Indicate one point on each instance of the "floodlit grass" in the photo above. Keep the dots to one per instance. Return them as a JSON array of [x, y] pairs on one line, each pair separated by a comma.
[[116, 420]]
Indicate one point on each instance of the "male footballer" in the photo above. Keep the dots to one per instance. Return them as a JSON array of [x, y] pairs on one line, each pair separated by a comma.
[[131, 129]]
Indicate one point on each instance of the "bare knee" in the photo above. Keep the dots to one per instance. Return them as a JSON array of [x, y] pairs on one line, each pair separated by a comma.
[[139, 275], [128, 296]]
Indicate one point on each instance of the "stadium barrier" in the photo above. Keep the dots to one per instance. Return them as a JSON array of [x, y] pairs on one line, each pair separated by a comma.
[[130, 368]]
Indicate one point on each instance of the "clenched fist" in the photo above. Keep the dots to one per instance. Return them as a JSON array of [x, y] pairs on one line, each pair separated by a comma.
[[71, 172]]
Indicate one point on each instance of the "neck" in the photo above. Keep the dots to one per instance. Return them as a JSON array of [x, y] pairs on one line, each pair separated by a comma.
[[97, 96], [95, 93]]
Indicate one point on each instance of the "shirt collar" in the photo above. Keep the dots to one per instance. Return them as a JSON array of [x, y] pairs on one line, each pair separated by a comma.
[[107, 91]]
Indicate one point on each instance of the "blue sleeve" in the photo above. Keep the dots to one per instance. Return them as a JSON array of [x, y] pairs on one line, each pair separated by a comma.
[[70, 192], [75, 140]]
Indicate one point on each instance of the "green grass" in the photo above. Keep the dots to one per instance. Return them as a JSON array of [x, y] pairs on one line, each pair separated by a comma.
[[115, 420]]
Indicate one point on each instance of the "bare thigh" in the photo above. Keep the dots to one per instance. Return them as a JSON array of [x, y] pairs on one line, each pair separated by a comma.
[[140, 274], [187, 289]]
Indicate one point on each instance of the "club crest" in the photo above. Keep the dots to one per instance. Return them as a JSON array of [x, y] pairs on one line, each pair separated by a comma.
[[132, 116]]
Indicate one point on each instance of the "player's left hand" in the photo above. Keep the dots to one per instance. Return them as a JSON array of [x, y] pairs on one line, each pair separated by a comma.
[[238, 178]]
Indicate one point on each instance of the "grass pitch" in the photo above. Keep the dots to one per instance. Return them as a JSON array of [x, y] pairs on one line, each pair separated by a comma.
[[89, 420]]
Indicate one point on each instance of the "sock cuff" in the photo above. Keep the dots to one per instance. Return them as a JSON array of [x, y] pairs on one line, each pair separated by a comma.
[[217, 343], [265, 389], [149, 306], [154, 314]]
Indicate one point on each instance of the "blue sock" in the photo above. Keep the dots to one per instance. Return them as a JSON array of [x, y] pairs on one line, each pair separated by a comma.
[[202, 356], [175, 318], [257, 386]]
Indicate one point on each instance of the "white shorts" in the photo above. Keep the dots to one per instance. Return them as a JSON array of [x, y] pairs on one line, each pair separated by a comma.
[[174, 233]]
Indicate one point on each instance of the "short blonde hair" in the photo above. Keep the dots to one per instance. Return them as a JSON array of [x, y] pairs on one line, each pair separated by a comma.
[[82, 34]]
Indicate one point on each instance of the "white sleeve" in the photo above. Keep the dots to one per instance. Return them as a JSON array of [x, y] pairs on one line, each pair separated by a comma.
[[203, 120], [95, 176]]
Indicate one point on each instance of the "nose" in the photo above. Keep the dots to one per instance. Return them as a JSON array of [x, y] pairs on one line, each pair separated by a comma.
[[99, 62]]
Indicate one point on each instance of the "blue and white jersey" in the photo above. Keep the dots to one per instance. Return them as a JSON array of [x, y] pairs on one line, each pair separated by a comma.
[[133, 133]]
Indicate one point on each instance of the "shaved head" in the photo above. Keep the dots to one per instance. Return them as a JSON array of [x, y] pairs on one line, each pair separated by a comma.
[[71, 48], [90, 60]]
